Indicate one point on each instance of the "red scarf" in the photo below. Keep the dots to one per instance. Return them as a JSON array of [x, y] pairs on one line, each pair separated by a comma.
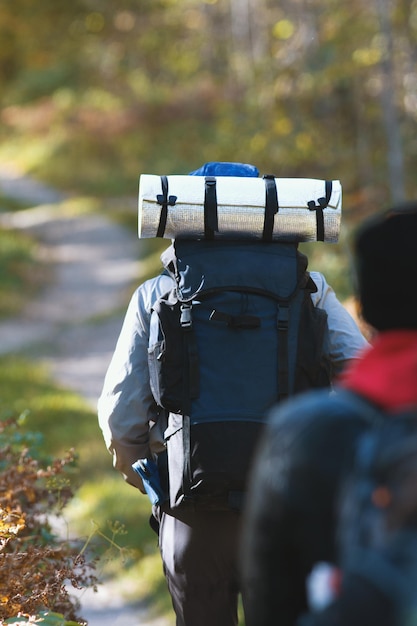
[[387, 371]]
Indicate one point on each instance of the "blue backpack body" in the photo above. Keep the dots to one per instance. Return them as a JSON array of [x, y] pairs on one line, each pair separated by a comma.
[[237, 333]]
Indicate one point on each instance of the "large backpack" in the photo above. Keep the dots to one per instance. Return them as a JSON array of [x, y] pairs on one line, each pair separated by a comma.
[[237, 333]]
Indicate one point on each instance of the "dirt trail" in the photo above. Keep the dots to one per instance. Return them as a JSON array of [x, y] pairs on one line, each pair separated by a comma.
[[74, 324], [95, 263]]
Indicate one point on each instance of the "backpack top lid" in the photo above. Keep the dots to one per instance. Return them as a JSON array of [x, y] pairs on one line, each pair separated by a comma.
[[229, 201], [201, 267]]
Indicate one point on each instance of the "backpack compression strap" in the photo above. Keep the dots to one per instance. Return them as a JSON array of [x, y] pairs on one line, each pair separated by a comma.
[[318, 208], [271, 206], [283, 367], [211, 223], [191, 381], [190, 391], [164, 200]]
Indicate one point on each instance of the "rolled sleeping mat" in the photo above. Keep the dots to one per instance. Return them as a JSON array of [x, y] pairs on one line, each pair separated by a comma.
[[228, 207]]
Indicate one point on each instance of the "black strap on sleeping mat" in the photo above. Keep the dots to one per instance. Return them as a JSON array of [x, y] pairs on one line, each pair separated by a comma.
[[318, 208], [211, 223], [164, 200], [271, 206]]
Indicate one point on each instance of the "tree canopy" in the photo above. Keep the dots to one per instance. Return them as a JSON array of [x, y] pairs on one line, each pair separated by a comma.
[[313, 88]]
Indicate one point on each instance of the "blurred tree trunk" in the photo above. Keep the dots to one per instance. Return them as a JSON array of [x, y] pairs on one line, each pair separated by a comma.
[[240, 27], [259, 24], [363, 145], [389, 109]]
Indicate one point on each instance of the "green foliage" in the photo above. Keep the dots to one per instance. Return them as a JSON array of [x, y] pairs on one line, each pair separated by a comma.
[[9, 204], [162, 86], [65, 419], [21, 273], [335, 262]]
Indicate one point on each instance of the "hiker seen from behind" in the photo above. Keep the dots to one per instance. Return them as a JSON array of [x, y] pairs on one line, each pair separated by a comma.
[[233, 324]]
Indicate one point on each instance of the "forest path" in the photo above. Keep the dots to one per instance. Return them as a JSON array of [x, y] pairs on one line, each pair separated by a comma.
[[73, 325]]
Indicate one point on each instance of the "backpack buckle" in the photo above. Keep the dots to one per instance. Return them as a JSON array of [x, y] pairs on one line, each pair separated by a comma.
[[283, 318], [186, 321]]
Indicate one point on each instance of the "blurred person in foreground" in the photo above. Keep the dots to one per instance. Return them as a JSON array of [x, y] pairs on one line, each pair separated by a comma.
[[308, 447]]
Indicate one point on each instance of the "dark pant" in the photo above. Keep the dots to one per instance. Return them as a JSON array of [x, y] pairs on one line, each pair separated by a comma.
[[199, 551]]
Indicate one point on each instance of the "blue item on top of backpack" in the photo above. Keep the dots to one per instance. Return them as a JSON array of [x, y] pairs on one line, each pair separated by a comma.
[[218, 168]]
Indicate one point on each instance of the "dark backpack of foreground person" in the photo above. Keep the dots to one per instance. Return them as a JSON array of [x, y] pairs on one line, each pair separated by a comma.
[[377, 535], [309, 445]]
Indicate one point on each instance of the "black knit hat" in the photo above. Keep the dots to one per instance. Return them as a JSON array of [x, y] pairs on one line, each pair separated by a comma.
[[386, 258]]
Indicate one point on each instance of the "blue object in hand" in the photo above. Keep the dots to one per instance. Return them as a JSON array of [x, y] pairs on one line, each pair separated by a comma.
[[148, 471]]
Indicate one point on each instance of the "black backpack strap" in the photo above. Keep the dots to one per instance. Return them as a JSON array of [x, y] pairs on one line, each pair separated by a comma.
[[164, 200], [271, 206], [318, 208], [211, 224], [186, 443], [283, 363], [191, 380], [191, 388]]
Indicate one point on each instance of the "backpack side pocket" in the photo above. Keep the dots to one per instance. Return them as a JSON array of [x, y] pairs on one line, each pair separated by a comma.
[[166, 356]]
